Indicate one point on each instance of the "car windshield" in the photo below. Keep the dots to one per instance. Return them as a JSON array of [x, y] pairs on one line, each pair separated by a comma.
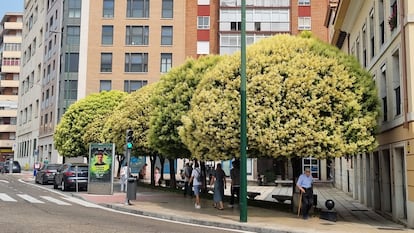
[[52, 166], [82, 168]]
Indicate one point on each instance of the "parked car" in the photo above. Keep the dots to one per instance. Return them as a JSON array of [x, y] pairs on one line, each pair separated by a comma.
[[69, 174], [15, 169], [46, 174], [1, 167]]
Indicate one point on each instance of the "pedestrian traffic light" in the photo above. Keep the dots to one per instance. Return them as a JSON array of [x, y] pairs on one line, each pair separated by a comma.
[[129, 138]]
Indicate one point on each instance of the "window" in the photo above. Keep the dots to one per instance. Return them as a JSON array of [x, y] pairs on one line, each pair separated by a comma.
[[381, 21], [396, 81], [166, 62], [383, 92], [106, 62], [72, 64], [166, 35], [105, 85], [138, 8], [203, 22], [304, 23], [107, 34], [136, 62], [137, 35], [133, 85], [257, 26], [364, 46], [372, 32], [304, 2], [74, 8], [108, 8], [73, 37], [167, 8], [235, 26], [71, 89]]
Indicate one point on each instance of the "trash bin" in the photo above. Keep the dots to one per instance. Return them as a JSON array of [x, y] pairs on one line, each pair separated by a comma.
[[132, 188]]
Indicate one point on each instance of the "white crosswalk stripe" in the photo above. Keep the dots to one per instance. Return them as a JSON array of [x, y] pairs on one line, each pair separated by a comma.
[[30, 199], [67, 201], [54, 200], [5, 197]]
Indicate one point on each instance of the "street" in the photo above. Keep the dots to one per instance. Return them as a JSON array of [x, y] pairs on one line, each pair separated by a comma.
[[28, 207]]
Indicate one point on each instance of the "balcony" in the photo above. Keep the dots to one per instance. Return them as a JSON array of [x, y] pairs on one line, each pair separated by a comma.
[[8, 113], [7, 128], [12, 98], [12, 54], [9, 83], [6, 143], [10, 69], [13, 25]]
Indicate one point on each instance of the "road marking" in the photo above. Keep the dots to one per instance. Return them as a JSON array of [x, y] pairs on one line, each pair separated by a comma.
[[81, 202], [4, 181], [5, 197], [54, 200], [30, 199]]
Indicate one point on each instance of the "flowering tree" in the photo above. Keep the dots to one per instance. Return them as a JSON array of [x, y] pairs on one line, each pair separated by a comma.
[[171, 100], [72, 135], [133, 113], [305, 98]]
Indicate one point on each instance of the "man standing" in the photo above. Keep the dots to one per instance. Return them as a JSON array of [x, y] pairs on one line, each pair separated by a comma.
[[197, 182], [187, 175], [235, 182], [304, 184]]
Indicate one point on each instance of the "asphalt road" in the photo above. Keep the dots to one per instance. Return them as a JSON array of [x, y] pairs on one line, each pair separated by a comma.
[[26, 208]]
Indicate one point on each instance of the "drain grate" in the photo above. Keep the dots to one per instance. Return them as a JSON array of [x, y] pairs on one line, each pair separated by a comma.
[[390, 229], [327, 223]]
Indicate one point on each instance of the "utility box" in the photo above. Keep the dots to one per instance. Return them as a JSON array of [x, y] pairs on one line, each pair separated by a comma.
[[132, 188]]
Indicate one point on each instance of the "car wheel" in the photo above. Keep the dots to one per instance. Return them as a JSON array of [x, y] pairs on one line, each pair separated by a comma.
[[63, 186], [55, 186]]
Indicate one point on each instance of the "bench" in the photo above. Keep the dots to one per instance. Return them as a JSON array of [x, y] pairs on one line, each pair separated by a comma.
[[284, 182], [282, 198], [252, 195]]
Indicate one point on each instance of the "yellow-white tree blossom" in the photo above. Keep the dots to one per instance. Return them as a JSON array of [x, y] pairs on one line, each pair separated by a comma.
[[304, 98]]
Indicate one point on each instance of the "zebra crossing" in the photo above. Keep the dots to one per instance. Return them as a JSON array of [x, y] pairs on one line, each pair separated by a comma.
[[64, 201]]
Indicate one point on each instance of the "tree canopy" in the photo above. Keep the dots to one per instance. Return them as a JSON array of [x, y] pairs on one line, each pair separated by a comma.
[[171, 100], [133, 113], [70, 139], [304, 98]]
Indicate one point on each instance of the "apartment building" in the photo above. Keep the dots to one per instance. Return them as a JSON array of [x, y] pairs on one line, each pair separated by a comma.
[[378, 33], [10, 56], [30, 83]]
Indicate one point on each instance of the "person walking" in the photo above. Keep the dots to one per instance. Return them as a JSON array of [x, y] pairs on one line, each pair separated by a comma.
[[235, 182], [196, 180], [219, 180], [187, 175], [304, 184], [124, 177], [157, 176]]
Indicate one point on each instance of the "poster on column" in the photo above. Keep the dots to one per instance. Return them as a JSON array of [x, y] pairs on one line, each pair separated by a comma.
[[101, 166]]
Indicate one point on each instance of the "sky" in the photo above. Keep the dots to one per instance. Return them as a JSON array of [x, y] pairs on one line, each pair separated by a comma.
[[10, 6]]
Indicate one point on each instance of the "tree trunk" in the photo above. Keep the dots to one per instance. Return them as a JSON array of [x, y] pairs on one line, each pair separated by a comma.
[[203, 172], [162, 161], [153, 159], [173, 183]]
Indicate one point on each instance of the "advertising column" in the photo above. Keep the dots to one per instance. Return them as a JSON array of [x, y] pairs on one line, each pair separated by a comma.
[[101, 157]]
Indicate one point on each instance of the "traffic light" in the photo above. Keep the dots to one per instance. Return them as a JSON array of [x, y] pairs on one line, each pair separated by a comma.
[[129, 138]]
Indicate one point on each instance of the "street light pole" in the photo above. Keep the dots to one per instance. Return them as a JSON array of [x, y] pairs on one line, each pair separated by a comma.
[[243, 120]]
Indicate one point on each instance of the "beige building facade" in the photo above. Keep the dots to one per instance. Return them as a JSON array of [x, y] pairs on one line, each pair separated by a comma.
[[379, 33], [10, 54]]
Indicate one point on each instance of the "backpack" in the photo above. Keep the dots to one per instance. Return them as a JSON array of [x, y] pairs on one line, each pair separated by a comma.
[[199, 177]]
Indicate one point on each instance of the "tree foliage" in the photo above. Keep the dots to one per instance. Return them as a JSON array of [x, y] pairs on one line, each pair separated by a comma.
[[74, 132], [133, 113], [172, 100], [304, 98]]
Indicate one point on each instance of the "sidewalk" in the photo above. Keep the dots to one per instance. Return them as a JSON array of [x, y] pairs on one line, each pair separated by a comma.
[[174, 206]]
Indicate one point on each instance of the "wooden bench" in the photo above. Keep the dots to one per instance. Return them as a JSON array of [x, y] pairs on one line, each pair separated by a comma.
[[282, 198], [252, 195], [284, 182]]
